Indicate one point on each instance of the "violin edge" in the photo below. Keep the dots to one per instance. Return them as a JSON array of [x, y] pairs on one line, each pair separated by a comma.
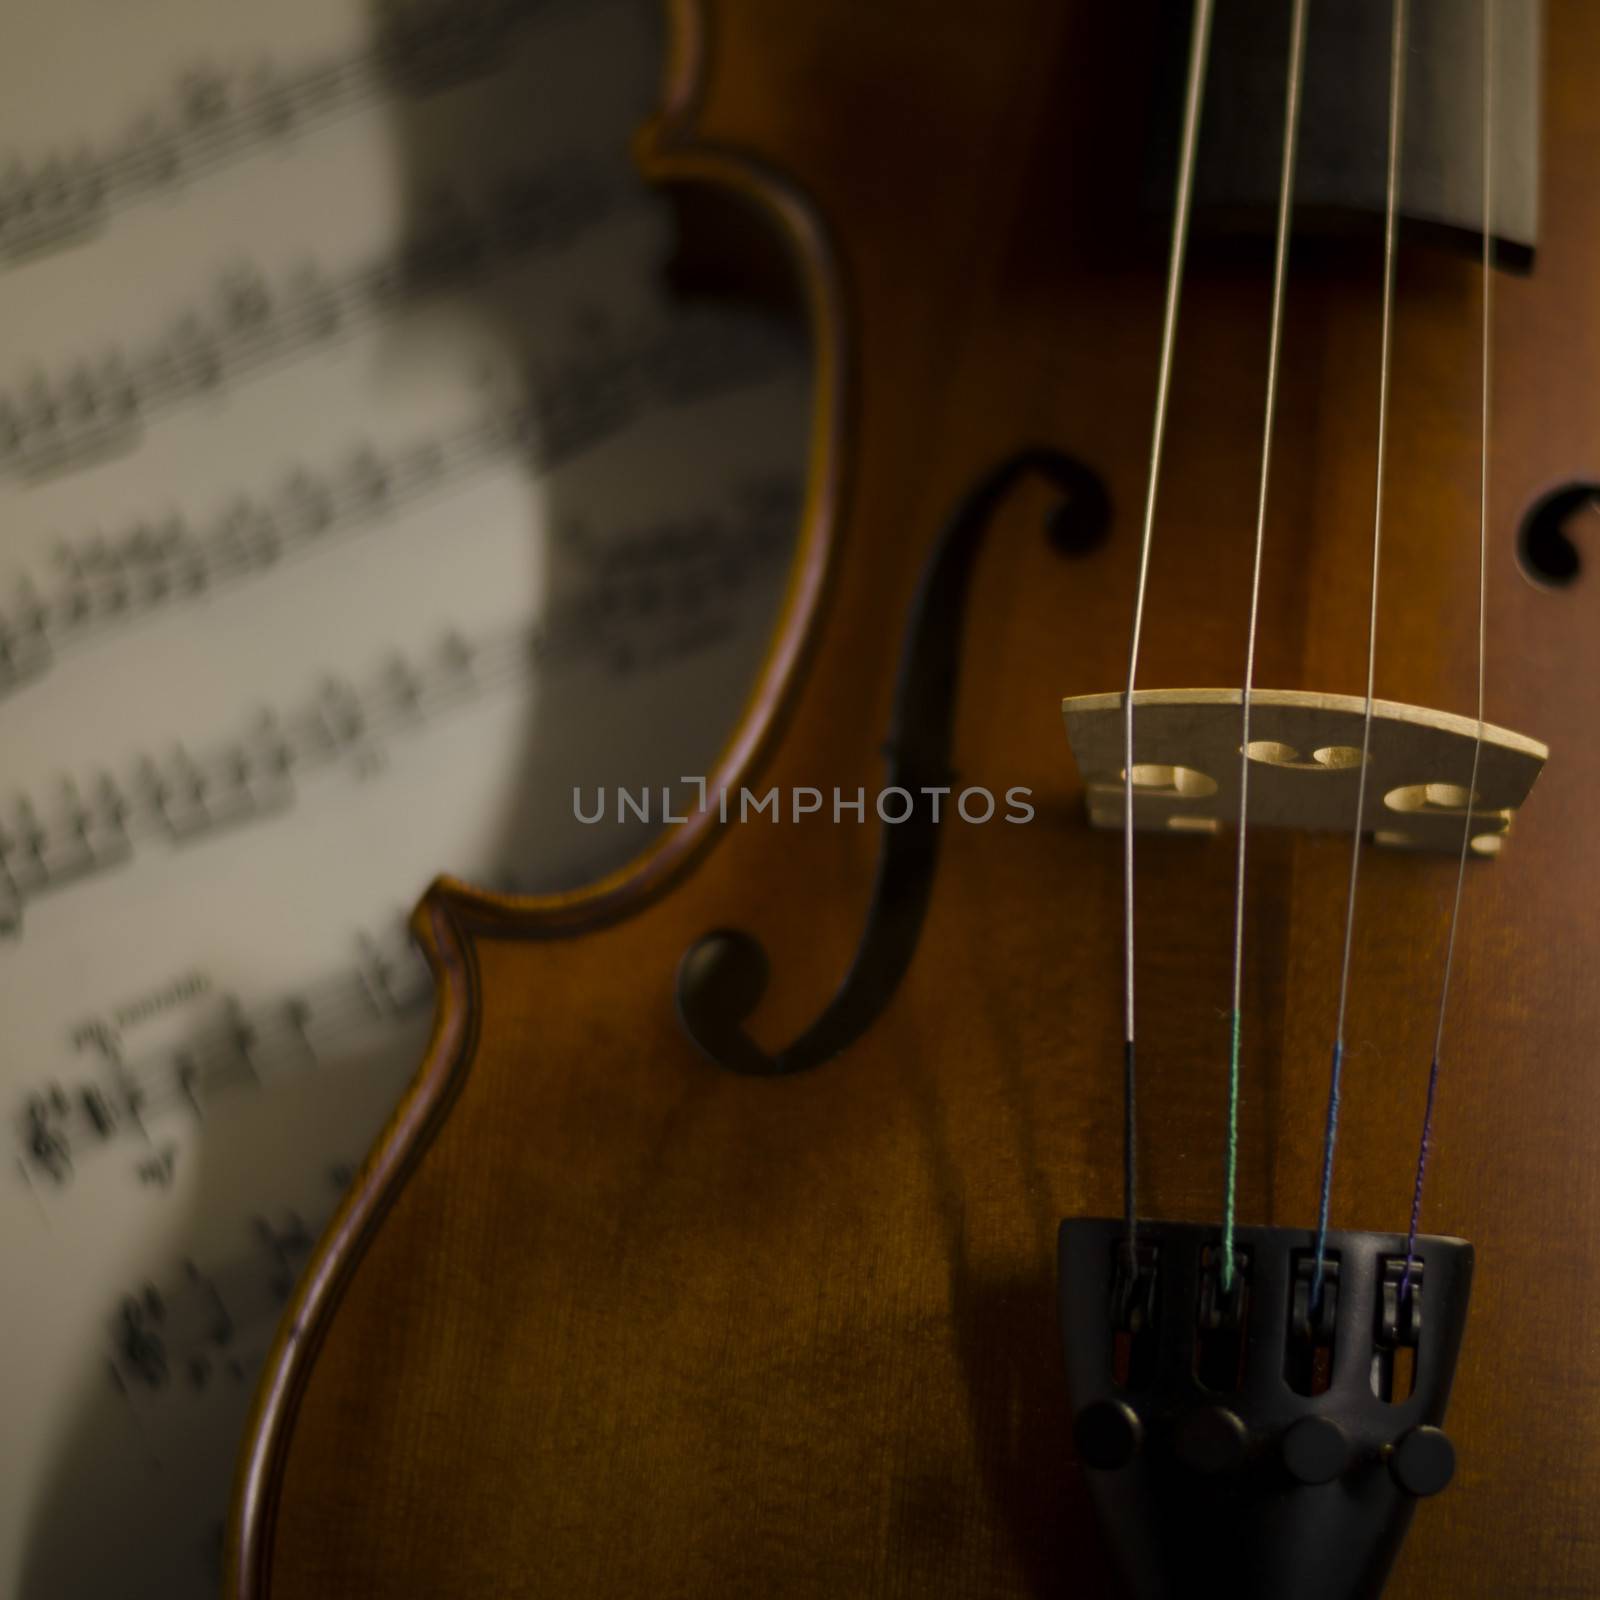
[[669, 153], [269, 1430]]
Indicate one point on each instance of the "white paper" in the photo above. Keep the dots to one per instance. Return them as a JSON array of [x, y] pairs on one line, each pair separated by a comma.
[[361, 494]]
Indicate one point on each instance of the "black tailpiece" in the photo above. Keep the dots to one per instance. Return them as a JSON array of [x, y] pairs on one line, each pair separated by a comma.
[[1246, 1438]]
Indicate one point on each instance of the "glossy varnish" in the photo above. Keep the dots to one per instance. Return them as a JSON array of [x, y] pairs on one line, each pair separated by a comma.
[[603, 1318]]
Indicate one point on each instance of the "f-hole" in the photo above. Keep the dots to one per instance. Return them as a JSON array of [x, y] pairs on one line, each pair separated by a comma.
[[723, 975], [1545, 549]]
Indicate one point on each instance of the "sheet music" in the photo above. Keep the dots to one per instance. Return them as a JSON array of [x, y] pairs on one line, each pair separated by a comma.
[[361, 494]]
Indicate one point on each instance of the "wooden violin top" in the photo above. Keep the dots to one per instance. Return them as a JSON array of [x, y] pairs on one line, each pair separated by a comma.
[[603, 1316]]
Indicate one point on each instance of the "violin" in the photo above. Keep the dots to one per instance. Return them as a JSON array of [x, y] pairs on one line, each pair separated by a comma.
[[972, 1155]]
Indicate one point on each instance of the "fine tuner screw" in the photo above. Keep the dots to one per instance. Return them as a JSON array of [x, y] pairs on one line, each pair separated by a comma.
[[1109, 1434], [1422, 1461]]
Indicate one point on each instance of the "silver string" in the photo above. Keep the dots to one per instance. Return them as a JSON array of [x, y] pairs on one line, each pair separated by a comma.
[[1280, 273], [1483, 497], [1199, 49], [1397, 79], [1487, 275]]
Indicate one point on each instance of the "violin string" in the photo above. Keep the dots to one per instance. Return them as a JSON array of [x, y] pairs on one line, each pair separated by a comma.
[[1397, 81], [1199, 49], [1487, 300], [1280, 273]]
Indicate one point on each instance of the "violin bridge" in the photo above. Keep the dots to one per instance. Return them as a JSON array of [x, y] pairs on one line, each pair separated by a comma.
[[1305, 765]]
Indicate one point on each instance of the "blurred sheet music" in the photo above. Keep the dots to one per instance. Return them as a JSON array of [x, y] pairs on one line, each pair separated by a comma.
[[361, 495]]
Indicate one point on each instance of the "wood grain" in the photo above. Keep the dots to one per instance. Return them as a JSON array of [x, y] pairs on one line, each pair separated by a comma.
[[603, 1320]]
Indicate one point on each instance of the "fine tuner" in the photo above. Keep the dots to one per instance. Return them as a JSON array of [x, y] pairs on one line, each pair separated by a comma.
[[1281, 1390]]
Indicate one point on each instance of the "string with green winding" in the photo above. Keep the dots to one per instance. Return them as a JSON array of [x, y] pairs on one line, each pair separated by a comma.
[[1280, 274]]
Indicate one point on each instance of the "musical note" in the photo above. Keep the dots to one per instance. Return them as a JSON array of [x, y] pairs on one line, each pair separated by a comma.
[[157, 1170], [43, 1142], [187, 697], [214, 1321], [386, 990], [140, 1350], [215, 117], [181, 799], [99, 585], [102, 408]]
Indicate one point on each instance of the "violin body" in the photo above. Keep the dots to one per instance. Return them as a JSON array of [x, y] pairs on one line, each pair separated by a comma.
[[604, 1317]]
